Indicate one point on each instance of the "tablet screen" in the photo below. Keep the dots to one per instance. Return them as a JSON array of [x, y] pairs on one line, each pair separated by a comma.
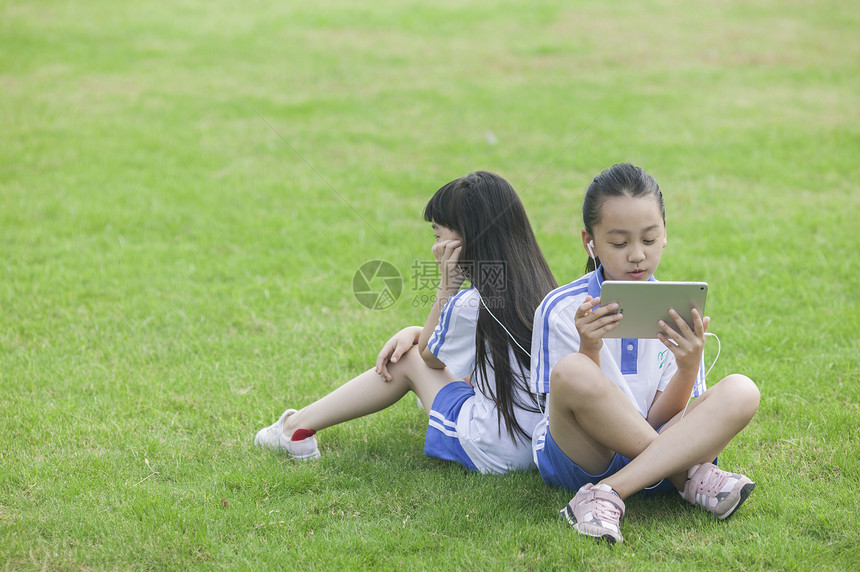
[[645, 303]]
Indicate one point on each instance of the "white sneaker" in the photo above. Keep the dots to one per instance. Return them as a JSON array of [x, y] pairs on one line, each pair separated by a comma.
[[275, 437]]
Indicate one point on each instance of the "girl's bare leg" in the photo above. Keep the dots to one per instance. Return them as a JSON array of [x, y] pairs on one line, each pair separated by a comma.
[[711, 422], [369, 393], [590, 418]]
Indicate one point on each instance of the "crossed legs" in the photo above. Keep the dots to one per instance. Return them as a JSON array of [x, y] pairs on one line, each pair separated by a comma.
[[590, 419]]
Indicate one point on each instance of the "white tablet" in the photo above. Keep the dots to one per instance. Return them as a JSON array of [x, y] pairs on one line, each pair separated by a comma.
[[645, 303]]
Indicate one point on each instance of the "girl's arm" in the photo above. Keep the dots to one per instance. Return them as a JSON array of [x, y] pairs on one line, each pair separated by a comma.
[[447, 253], [687, 346], [430, 325]]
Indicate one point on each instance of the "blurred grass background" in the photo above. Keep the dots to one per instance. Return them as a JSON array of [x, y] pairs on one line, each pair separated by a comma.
[[187, 188]]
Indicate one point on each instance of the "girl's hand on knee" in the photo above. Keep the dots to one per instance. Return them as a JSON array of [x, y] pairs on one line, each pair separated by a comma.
[[685, 343], [393, 350], [593, 322]]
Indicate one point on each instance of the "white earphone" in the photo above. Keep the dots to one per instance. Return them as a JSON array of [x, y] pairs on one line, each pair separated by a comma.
[[590, 248], [484, 304]]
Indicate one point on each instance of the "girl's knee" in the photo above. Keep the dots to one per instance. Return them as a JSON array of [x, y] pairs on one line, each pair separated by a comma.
[[413, 354], [573, 374], [743, 393], [409, 366]]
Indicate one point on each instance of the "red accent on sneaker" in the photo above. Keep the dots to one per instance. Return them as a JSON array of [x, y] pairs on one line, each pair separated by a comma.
[[302, 434]]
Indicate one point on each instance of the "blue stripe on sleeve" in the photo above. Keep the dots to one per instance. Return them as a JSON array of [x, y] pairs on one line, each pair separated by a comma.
[[541, 382], [444, 324]]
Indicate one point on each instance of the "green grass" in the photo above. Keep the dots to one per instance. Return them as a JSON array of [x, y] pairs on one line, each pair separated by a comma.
[[186, 190]]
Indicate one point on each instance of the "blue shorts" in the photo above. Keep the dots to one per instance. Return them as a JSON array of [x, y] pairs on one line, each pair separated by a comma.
[[442, 440], [557, 469]]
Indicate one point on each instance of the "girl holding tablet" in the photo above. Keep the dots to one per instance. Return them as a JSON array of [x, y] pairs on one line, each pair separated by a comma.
[[617, 417]]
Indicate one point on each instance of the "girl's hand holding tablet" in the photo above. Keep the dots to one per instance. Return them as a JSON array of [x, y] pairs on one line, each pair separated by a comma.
[[685, 343], [593, 322]]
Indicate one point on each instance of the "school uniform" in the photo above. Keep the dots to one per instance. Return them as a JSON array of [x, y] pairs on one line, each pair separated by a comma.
[[639, 367], [465, 425]]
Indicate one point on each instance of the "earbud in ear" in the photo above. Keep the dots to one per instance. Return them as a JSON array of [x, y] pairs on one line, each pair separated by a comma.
[[590, 248]]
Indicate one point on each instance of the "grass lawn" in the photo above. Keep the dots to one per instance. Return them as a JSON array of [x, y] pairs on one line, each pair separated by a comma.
[[187, 189]]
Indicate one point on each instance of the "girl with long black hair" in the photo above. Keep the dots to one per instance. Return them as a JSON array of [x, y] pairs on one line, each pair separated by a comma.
[[467, 364]]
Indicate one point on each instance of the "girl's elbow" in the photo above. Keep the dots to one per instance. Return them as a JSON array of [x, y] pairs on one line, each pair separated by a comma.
[[424, 350], [430, 360], [657, 418]]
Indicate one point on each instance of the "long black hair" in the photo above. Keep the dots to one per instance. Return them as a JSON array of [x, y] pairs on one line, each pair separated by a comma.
[[621, 180], [501, 258]]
